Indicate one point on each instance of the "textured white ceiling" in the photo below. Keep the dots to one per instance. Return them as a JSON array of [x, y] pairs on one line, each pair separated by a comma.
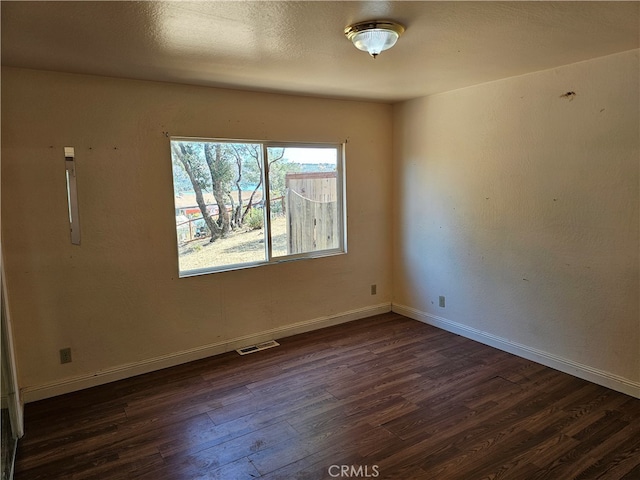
[[299, 47]]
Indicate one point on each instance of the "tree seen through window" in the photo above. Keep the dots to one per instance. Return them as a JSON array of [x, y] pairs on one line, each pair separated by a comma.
[[230, 214]]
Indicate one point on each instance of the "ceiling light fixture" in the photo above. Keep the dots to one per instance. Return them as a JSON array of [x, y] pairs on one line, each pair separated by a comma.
[[374, 36]]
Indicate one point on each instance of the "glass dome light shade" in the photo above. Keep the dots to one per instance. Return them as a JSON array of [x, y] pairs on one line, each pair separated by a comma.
[[375, 40], [374, 36]]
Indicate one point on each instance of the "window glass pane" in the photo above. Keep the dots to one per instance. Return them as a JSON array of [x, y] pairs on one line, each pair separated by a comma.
[[305, 199], [218, 192]]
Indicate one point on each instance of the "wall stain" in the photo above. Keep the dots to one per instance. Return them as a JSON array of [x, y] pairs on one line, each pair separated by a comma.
[[569, 95]]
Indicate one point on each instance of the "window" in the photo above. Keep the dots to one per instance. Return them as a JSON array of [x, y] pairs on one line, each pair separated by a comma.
[[243, 204]]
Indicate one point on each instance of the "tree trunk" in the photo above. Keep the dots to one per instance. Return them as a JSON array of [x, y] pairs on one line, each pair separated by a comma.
[[211, 224], [233, 221], [250, 202], [213, 156], [237, 218]]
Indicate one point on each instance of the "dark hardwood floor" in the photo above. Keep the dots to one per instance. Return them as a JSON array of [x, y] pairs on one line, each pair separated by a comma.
[[386, 397]]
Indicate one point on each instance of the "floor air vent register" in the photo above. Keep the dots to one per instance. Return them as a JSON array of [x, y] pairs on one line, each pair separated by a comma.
[[258, 347]]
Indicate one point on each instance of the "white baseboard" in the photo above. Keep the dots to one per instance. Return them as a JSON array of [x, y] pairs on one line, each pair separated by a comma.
[[576, 369], [71, 384], [79, 382]]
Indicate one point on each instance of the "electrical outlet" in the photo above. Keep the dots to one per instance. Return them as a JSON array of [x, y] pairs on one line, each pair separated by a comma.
[[441, 301], [65, 355], [374, 289]]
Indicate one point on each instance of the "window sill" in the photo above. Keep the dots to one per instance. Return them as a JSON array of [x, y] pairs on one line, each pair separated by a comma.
[[244, 266]]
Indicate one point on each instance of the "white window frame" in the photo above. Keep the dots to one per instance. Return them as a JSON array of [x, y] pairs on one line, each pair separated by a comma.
[[270, 259]]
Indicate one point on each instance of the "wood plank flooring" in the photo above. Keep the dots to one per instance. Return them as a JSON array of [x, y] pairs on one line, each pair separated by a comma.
[[386, 397]]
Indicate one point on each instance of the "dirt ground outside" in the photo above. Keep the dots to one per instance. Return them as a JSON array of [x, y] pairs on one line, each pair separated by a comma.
[[240, 246]]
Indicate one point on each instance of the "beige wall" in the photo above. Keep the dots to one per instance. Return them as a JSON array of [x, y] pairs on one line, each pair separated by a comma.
[[520, 206], [116, 300]]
